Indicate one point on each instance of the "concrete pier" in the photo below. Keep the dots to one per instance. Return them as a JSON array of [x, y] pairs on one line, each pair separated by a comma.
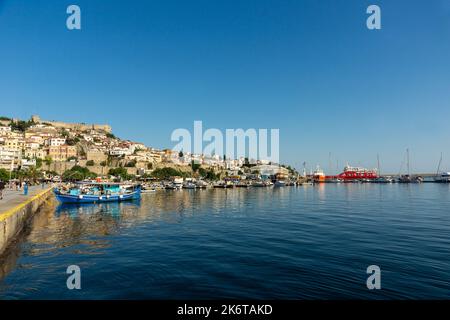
[[16, 209]]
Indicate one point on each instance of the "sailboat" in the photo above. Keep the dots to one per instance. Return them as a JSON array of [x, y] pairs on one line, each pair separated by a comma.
[[442, 177], [381, 179], [407, 178]]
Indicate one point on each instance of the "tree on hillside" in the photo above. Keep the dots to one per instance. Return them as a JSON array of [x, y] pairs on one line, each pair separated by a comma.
[[167, 172], [120, 172], [207, 174], [21, 125], [78, 173]]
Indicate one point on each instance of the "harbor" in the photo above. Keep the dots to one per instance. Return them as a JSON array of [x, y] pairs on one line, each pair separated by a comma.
[[259, 243]]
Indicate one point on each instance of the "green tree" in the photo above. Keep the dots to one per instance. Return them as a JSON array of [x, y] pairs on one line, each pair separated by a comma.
[[4, 175], [167, 172], [21, 125], [90, 163], [64, 133], [38, 162], [33, 174], [120, 172], [48, 160], [207, 174], [78, 173]]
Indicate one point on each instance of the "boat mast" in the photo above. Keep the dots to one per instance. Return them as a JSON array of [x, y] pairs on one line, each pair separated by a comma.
[[329, 164], [439, 166], [378, 164], [407, 161]]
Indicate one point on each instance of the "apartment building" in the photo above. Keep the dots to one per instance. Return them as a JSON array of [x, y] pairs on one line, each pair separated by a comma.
[[62, 153]]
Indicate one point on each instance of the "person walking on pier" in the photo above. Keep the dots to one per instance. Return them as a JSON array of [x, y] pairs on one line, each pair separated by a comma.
[[2, 186], [25, 188]]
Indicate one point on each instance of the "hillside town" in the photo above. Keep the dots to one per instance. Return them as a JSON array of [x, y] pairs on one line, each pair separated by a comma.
[[79, 150]]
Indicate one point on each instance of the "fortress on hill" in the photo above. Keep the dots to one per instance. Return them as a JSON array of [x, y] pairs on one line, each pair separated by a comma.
[[73, 126]]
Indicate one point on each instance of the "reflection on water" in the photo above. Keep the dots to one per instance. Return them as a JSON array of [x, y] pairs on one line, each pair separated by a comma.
[[305, 242]]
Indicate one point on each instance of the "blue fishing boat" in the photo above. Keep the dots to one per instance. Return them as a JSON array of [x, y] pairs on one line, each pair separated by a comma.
[[97, 192]]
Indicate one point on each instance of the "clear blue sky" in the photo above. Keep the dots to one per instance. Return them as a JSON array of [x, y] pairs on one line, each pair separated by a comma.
[[310, 68]]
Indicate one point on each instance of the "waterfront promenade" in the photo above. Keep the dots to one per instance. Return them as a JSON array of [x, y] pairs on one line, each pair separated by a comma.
[[16, 208], [13, 198]]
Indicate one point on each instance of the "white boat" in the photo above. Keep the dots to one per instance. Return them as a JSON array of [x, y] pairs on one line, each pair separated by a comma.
[[189, 185], [443, 177], [280, 183], [200, 184]]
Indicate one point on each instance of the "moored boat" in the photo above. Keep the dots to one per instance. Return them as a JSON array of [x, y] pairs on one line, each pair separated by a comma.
[[280, 183], [444, 177], [96, 192], [383, 180], [318, 175], [189, 185], [354, 174], [223, 185]]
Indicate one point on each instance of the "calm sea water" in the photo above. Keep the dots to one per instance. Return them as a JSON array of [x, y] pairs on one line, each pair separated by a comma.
[[283, 243]]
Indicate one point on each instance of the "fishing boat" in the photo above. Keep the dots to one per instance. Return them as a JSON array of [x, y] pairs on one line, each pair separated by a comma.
[[96, 192]]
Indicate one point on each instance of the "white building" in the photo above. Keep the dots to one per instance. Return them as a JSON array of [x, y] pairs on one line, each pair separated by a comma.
[[9, 158], [4, 129], [56, 142], [117, 151]]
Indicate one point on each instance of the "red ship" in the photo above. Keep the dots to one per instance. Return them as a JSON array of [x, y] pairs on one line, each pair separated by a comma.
[[356, 173]]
